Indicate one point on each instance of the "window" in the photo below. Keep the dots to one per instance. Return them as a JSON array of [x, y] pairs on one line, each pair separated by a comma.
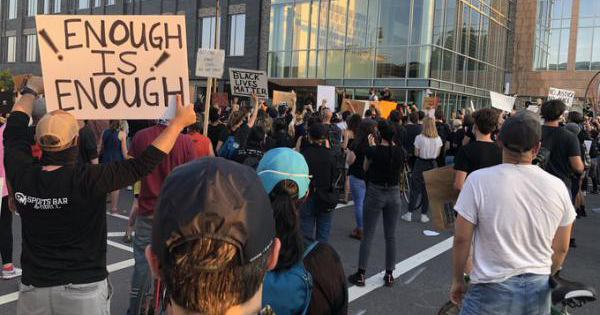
[[47, 6], [11, 51], [31, 52], [552, 32], [110, 2], [32, 8], [209, 28], [57, 4], [12, 9], [83, 4], [98, 3], [588, 36], [238, 31]]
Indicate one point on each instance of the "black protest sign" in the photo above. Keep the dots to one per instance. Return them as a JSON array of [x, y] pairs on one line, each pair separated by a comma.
[[245, 82], [113, 67]]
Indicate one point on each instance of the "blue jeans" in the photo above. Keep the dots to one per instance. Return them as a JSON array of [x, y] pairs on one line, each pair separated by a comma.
[[141, 239], [525, 294], [311, 217], [386, 201], [358, 190]]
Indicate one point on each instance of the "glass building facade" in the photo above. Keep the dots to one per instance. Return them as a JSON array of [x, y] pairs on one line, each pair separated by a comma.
[[588, 36], [451, 49]]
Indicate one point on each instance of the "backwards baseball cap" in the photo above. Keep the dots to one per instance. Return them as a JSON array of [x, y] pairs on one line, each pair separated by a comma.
[[217, 199], [281, 164], [56, 130], [521, 132]]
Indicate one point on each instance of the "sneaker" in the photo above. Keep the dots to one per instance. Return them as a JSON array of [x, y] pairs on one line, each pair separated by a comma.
[[358, 279], [388, 280], [406, 217], [424, 218], [11, 272]]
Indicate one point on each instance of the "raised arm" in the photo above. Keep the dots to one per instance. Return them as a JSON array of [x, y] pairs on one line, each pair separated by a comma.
[[252, 119]]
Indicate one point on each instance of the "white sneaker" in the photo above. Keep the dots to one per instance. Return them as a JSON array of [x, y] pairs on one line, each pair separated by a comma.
[[406, 217], [424, 218], [13, 273]]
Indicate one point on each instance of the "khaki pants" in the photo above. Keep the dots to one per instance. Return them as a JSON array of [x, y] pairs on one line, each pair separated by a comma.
[[69, 299]]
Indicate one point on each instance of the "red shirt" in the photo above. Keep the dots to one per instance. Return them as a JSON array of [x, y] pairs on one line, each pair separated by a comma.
[[183, 152], [201, 143]]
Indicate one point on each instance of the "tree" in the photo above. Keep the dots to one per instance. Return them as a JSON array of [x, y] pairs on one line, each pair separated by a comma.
[[6, 81]]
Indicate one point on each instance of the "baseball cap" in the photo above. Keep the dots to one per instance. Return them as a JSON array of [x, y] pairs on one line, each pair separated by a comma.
[[217, 199], [318, 131], [59, 127], [283, 163], [521, 132]]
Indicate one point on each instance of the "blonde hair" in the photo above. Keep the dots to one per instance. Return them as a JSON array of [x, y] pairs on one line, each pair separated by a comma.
[[429, 129]]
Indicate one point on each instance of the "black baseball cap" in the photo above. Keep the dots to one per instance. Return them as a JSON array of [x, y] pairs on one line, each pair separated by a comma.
[[521, 132], [317, 131], [217, 199]]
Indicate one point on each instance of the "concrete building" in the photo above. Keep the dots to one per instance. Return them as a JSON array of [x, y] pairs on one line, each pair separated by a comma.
[[244, 28], [557, 44], [455, 50]]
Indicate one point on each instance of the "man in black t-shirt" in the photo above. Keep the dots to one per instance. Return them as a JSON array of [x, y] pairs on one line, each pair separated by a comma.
[[443, 130], [62, 207], [565, 154], [413, 129], [88, 151], [481, 153]]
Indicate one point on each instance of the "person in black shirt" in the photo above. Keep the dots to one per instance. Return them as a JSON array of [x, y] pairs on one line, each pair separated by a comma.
[[215, 127], [396, 119], [316, 212], [62, 206], [383, 164], [443, 130], [565, 154], [88, 151], [237, 128], [413, 129], [481, 153]]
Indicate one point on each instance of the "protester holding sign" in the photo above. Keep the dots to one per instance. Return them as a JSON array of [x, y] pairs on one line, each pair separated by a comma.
[[236, 135], [62, 207]]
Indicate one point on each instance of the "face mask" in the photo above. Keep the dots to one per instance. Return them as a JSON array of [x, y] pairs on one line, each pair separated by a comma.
[[62, 158]]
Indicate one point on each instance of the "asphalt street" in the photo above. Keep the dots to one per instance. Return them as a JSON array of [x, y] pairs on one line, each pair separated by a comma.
[[423, 269]]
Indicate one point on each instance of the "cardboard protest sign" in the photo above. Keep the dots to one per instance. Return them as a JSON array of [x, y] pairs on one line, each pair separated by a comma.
[[280, 97], [220, 99], [442, 196], [325, 92], [386, 108], [564, 95], [245, 82], [210, 62], [113, 67], [355, 106], [502, 102]]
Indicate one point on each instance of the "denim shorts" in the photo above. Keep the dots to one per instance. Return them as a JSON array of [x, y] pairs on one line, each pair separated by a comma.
[[525, 294]]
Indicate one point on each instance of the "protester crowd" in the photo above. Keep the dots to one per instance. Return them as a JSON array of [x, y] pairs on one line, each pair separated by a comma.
[[220, 243]]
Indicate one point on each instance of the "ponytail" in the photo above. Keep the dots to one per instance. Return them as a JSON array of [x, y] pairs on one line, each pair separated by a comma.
[[284, 199]]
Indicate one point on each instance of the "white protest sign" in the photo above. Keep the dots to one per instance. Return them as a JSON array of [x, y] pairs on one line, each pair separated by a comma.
[[113, 67], [502, 102], [533, 108], [245, 82], [564, 95], [327, 93], [210, 62]]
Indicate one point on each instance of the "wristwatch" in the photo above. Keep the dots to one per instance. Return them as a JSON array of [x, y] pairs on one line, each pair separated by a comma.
[[28, 90]]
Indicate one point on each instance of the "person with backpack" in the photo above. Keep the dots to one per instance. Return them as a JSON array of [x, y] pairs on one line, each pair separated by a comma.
[[255, 148], [382, 165], [236, 134], [317, 211], [308, 279]]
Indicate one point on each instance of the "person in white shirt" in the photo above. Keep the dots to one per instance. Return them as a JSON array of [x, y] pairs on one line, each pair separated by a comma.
[[518, 218], [428, 146]]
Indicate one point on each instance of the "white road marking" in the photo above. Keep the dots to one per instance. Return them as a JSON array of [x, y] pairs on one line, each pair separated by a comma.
[[116, 215], [415, 275], [118, 234], [12, 297], [341, 205], [402, 267], [119, 246]]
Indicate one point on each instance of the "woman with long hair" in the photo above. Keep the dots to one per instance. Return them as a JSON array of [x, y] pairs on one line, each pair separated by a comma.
[[284, 174], [356, 172], [114, 149], [352, 123], [382, 164], [428, 146]]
